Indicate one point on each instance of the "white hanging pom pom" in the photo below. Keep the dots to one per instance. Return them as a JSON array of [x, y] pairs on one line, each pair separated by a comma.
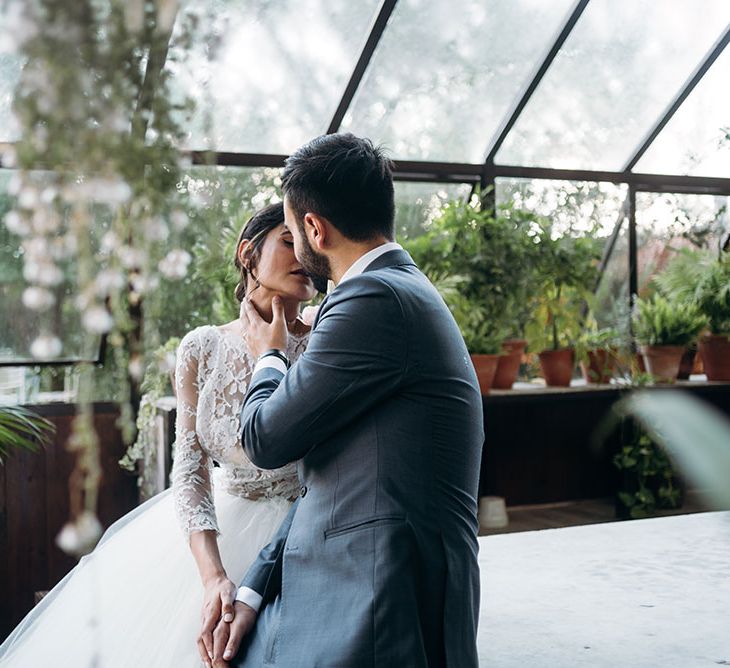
[[38, 299], [175, 264], [79, 537], [46, 347], [97, 320]]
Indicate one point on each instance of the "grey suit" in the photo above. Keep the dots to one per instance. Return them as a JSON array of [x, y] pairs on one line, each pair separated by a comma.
[[376, 565]]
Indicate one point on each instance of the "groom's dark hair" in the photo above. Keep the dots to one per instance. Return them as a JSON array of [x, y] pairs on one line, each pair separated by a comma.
[[346, 180]]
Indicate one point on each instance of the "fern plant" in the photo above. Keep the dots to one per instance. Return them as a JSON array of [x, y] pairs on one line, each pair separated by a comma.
[[713, 296], [660, 322]]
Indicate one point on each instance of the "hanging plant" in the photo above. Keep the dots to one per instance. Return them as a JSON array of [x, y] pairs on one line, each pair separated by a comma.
[[98, 151]]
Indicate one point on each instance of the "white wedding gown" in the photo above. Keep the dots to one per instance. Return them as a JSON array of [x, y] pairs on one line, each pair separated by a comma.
[[136, 600]]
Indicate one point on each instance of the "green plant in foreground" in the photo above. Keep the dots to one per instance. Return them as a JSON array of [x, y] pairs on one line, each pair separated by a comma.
[[23, 429], [694, 434], [649, 478], [660, 322]]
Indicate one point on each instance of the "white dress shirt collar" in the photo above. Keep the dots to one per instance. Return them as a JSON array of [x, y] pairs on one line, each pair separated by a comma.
[[359, 265]]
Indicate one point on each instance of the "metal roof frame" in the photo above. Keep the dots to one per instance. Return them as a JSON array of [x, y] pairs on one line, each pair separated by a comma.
[[486, 172]]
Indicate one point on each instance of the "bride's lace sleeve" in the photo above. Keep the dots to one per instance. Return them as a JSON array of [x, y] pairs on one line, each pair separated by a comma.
[[191, 469]]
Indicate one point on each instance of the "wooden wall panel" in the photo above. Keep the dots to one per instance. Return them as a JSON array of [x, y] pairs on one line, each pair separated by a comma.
[[34, 505]]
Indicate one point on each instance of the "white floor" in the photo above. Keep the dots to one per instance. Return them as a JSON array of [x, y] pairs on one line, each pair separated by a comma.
[[640, 594]]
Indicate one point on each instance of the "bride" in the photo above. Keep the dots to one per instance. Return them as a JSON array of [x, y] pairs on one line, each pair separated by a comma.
[[136, 599]]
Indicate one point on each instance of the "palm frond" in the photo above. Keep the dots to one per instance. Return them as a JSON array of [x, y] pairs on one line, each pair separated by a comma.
[[23, 429]]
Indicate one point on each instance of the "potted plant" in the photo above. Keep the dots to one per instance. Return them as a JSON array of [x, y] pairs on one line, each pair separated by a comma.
[[713, 300], [479, 261], [565, 271], [648, 479], [483, 338], [484, 344], [596, 350], [664, 329]]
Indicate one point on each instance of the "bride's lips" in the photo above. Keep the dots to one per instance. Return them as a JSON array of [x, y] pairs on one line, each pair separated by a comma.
[[300, 272]]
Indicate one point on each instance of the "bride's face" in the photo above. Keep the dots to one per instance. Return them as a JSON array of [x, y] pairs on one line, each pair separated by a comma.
[[278, 270]]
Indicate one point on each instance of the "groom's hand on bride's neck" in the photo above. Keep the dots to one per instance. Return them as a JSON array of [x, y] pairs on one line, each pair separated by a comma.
[[227, 636]]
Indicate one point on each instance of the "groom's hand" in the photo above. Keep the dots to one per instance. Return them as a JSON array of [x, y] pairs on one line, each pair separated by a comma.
[[261, 335], [227, 637]]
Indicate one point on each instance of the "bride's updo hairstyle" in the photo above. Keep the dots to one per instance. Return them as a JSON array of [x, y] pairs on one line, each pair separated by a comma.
[[255, 230]]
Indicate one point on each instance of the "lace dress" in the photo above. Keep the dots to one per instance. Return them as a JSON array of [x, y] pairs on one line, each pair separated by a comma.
[[136, 600]]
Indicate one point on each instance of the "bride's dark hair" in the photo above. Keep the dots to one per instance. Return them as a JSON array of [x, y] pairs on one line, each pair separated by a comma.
[[255, 230]]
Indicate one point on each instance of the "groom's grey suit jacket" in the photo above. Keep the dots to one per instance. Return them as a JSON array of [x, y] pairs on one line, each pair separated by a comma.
[[376, 564]]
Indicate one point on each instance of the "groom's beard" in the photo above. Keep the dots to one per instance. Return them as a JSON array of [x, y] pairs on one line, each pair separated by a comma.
[[315, 264]]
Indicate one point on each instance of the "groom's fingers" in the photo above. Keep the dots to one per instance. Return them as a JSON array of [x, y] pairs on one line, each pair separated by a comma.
[[251, 313], [241, 626], [277, 309]]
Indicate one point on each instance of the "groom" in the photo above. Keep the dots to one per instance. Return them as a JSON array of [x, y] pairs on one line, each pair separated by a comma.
[[376, 564]]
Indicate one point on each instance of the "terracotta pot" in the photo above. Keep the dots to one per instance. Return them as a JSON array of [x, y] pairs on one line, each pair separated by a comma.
[[557, 366], [508, 366], [662, 362], [514, 345], [715, 352], [686, 364], [486, 367], [600, 366]]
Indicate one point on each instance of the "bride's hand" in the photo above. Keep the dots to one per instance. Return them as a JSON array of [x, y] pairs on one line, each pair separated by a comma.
[[218, 597]]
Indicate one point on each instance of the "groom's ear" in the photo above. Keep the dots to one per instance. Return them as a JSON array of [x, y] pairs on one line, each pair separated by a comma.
[[317, 230]]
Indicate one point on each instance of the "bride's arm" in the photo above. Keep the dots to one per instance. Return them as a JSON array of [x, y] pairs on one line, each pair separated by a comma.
[[193, 495]]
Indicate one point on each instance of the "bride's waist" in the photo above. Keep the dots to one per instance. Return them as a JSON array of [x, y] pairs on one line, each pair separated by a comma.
[[248, 484]]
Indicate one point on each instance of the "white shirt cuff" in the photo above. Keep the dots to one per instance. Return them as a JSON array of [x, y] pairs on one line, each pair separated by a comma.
[[248, 596], [270, 362]]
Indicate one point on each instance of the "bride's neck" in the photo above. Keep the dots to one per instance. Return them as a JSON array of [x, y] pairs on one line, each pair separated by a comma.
[[262, 302]]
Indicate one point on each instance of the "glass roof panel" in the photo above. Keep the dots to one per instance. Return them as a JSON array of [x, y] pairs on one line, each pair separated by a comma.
[[696, 140], [9, 76], [446, 72], [278, 73], [416, 204], [618, 70]]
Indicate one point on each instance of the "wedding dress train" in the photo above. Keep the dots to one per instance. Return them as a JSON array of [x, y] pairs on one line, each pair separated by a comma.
[[135, 601]]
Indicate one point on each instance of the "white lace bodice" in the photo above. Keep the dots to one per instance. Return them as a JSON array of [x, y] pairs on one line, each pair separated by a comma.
[[212, 373]]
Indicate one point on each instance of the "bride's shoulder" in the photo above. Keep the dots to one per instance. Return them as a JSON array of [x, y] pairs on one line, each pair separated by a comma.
[[198, 338]]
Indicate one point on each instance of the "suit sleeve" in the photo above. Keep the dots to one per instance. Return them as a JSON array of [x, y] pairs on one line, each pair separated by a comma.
[[265, 573], [355, 359]]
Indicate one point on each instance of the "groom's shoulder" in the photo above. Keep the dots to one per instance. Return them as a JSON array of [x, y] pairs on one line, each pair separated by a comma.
[[368, 290]]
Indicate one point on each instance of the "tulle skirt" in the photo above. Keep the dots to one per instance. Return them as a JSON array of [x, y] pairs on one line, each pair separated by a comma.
[[136, 600]]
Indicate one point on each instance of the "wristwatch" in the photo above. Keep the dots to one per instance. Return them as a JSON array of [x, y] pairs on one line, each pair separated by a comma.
[[275, 352]]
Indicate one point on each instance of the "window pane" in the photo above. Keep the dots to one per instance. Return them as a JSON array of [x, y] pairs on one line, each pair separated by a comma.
[[416, 204], [666, 223], [697, 138], [617, 71], [445, 73], [278, 74]]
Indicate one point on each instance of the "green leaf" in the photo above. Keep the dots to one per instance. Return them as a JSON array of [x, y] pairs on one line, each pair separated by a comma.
[[694, 434]]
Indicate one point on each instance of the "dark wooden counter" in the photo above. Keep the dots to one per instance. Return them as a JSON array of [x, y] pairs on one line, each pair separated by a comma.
[[538, 446]]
